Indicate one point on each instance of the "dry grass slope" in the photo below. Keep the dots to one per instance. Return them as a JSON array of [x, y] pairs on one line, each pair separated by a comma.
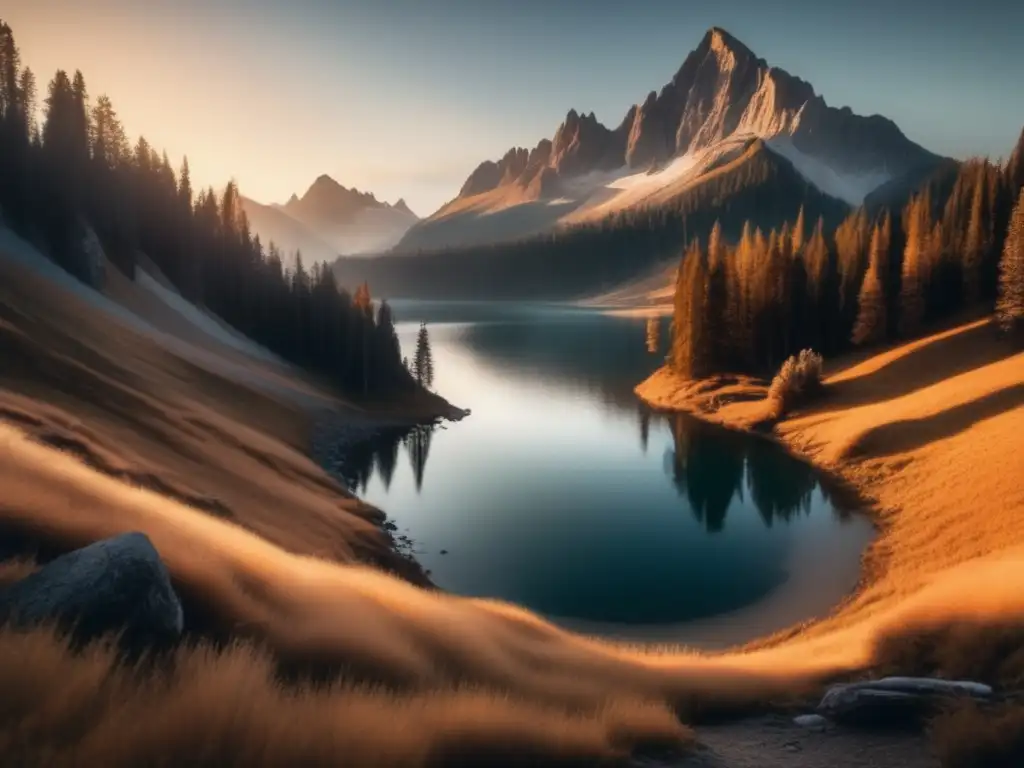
[[226, 708], [109, 433]]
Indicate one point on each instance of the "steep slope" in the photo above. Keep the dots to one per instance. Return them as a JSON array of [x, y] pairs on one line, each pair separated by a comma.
[[347, 220], [722, 95], [588, 257], [128, 383], [274, 225]]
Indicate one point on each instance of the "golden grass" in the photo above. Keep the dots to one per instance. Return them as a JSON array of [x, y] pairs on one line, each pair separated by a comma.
[[226, 708], [144, 438], [930, 435], [76, 379]]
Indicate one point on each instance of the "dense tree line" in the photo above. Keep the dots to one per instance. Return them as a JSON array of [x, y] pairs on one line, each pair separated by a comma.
[[748, 306], [584, 259], [77, 171]]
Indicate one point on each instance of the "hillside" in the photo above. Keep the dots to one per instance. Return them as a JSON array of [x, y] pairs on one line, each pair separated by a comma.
[[926, 432], [589, 258], [722, 96], [143, 387], [922, 430]]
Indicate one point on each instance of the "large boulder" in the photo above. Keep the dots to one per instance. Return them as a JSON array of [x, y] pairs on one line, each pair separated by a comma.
[[894, 701], [115, 586]]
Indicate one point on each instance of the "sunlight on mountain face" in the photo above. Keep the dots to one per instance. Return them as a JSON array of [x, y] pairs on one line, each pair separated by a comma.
[[734, 394]]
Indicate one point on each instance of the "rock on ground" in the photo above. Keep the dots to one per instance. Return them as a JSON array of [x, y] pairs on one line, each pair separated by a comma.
[[893, 700], [118, 585]]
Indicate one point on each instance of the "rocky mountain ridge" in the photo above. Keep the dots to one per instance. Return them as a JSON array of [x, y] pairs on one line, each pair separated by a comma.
[[721, 90]]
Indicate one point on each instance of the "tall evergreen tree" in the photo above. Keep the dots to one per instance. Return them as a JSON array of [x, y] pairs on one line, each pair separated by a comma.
[[718, 296], [1010, 302], [28, 93], [1014, 171], [423, 362], [799, 231], [820, 289], [690, 340], [974, 245], [871, 317], [913, 274]]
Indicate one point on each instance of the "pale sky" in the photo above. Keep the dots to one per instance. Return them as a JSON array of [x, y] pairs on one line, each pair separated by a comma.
[[405, 98]]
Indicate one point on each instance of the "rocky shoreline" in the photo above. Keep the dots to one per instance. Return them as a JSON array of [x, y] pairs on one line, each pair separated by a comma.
[[336, 436]]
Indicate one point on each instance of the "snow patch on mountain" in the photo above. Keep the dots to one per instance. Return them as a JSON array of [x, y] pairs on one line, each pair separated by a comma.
[[849, 187]]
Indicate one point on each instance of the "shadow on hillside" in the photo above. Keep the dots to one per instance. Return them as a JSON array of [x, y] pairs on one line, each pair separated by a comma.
[[939, 359], [909, 434]]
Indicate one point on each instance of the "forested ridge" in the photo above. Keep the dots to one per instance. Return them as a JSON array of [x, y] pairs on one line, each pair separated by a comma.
[[584, 259], [956, 245], [75, 170]]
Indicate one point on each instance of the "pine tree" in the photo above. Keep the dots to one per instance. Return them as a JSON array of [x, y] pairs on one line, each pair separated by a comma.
[[799, 230], [27, 91], [974, 246], [423, 363], [1010, 302], [820, 289], [718, 298], [1014, 172], [690, 340], [871, 316], [912, 276], [10, 67], [851, 240]]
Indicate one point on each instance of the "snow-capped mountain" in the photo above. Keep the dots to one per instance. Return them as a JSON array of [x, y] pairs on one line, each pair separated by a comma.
[[722, 97]]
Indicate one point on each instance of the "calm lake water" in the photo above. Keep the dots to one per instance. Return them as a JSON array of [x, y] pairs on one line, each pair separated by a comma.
[[562, 493]]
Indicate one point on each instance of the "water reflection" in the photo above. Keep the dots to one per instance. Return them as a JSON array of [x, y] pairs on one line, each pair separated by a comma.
[[709, 465], [380, 455], [599, 354], [546, 498]]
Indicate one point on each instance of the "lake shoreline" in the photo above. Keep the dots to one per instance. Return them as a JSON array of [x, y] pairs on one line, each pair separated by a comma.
[[666, 392], [707, 400], [335, 434], [886, 432]]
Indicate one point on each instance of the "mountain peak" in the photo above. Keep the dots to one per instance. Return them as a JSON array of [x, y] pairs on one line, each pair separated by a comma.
[[323, 180], [722, 90], [403, 206], [718, 39]]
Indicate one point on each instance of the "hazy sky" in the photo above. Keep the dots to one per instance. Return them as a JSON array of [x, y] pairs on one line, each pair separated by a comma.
[[406, 97]]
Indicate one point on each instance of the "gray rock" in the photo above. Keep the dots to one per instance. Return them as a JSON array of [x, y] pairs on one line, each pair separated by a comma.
[[873, 707], [893, 700], [811, 722], [118, 585], [933, 685]]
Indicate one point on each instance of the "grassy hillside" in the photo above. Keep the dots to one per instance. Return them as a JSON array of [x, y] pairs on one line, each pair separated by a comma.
[[178, 413], [106, 432], [927, 433]]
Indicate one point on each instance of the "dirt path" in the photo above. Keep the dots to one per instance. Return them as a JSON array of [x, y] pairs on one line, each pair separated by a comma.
[[776, 742]]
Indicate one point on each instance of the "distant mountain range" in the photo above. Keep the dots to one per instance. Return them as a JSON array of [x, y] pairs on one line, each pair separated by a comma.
[[721, 99], [330, 220]]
